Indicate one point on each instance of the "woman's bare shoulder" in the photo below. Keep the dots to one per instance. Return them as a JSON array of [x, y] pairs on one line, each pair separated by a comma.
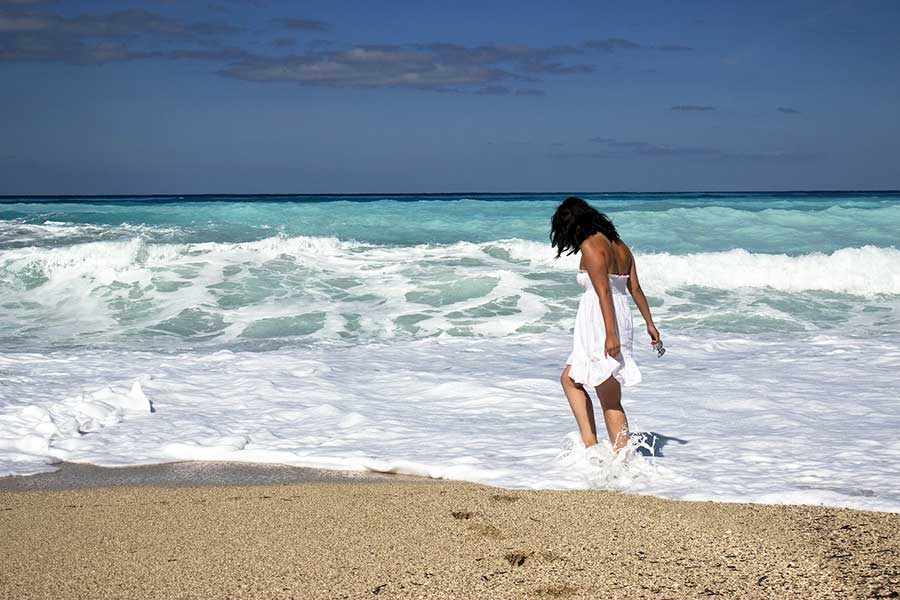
[[596, 243], [597, 252]]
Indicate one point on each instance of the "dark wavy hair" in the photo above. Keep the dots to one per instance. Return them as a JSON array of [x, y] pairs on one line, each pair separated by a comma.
[[574, 221]]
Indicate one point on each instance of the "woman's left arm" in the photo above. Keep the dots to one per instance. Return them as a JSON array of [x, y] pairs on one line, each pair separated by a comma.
[[634, 286]]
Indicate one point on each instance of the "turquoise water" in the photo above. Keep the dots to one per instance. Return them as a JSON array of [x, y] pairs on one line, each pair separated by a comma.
[[792, 223], [426, 335], [257, 272]]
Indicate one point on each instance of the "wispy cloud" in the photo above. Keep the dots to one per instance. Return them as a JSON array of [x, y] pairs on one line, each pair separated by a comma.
[[295, 24], [692, 108], [610, 44], [367, 66], [494, 90], [123, 23], [93, 38], [788, 110], [139, 34], [614, 148], [674, 48], [650, 149], [502, 90], [437, 67], [523, 58]]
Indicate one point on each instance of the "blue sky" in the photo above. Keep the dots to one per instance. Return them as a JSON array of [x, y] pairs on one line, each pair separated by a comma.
[[269, 96]]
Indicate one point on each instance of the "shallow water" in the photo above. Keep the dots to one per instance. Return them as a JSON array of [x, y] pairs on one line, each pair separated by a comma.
[[425, 335]]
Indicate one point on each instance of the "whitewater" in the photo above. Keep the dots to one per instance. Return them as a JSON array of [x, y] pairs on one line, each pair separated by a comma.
[[425, 335]]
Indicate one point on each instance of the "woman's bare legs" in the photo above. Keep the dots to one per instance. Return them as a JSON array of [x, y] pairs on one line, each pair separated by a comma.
[[610, 394], [582, 408]]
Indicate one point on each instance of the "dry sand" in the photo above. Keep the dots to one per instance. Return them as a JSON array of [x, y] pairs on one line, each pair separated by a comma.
[[431, 539]]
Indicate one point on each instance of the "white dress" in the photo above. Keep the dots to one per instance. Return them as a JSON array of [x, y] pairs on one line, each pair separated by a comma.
[[589, 366]]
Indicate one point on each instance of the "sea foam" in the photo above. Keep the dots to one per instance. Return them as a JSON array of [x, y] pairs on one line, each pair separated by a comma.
[[40, 433], [138, 293], [808, 421]]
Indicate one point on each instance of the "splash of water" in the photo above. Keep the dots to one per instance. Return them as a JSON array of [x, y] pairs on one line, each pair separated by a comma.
[[603, 467]]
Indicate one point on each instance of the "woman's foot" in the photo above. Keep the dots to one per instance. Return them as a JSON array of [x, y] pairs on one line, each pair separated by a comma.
[[596, 455]]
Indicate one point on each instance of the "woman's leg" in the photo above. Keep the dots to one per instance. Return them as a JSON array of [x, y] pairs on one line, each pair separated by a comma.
[[610, 394], [581, 406]]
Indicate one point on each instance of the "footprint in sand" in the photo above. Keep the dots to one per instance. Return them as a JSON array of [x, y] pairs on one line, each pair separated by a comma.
[[505, 498], [517, 558], [485, 529]]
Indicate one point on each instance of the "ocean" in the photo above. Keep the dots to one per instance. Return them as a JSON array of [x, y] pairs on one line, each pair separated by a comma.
[[425, 334]]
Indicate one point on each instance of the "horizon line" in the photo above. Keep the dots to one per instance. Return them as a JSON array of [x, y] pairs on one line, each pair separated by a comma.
[[474, 193]]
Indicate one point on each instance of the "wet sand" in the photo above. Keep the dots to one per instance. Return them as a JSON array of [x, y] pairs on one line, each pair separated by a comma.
[[412, 538], [71, 476]]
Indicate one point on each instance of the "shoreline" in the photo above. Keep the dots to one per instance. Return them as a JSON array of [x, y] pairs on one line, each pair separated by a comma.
[[210, 474], [75, 476], [407, 537]]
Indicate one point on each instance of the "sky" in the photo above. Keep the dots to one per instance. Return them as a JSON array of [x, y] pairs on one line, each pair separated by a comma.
[[272, 96]]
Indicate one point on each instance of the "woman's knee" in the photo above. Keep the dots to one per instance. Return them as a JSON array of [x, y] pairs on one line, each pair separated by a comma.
[[566, 380], [610, 403]]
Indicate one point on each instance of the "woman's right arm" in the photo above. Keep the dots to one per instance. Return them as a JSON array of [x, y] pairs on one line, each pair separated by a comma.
[[634, 286]]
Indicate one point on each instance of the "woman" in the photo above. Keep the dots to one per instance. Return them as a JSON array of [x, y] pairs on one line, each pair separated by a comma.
[[602, 351]]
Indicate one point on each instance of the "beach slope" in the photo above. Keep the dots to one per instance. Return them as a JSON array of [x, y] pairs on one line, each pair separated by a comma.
[[434, 539]]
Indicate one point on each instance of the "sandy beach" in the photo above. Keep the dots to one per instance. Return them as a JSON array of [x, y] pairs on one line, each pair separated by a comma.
[[449, 300], [419, 538]]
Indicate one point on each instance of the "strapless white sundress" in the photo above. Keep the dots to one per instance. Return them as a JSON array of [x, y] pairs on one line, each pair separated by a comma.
[[589, 366]]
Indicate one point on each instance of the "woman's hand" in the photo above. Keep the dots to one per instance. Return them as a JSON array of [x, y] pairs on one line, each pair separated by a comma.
[[611, 347], [653, 332]]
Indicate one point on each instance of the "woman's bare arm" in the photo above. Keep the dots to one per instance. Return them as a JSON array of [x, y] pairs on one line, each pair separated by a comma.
[[597, 253], [634, 286]]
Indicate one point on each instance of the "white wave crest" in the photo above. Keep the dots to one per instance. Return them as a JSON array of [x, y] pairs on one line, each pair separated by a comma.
[[333, 289], [119, 256], [866, 271], [862, 271]]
